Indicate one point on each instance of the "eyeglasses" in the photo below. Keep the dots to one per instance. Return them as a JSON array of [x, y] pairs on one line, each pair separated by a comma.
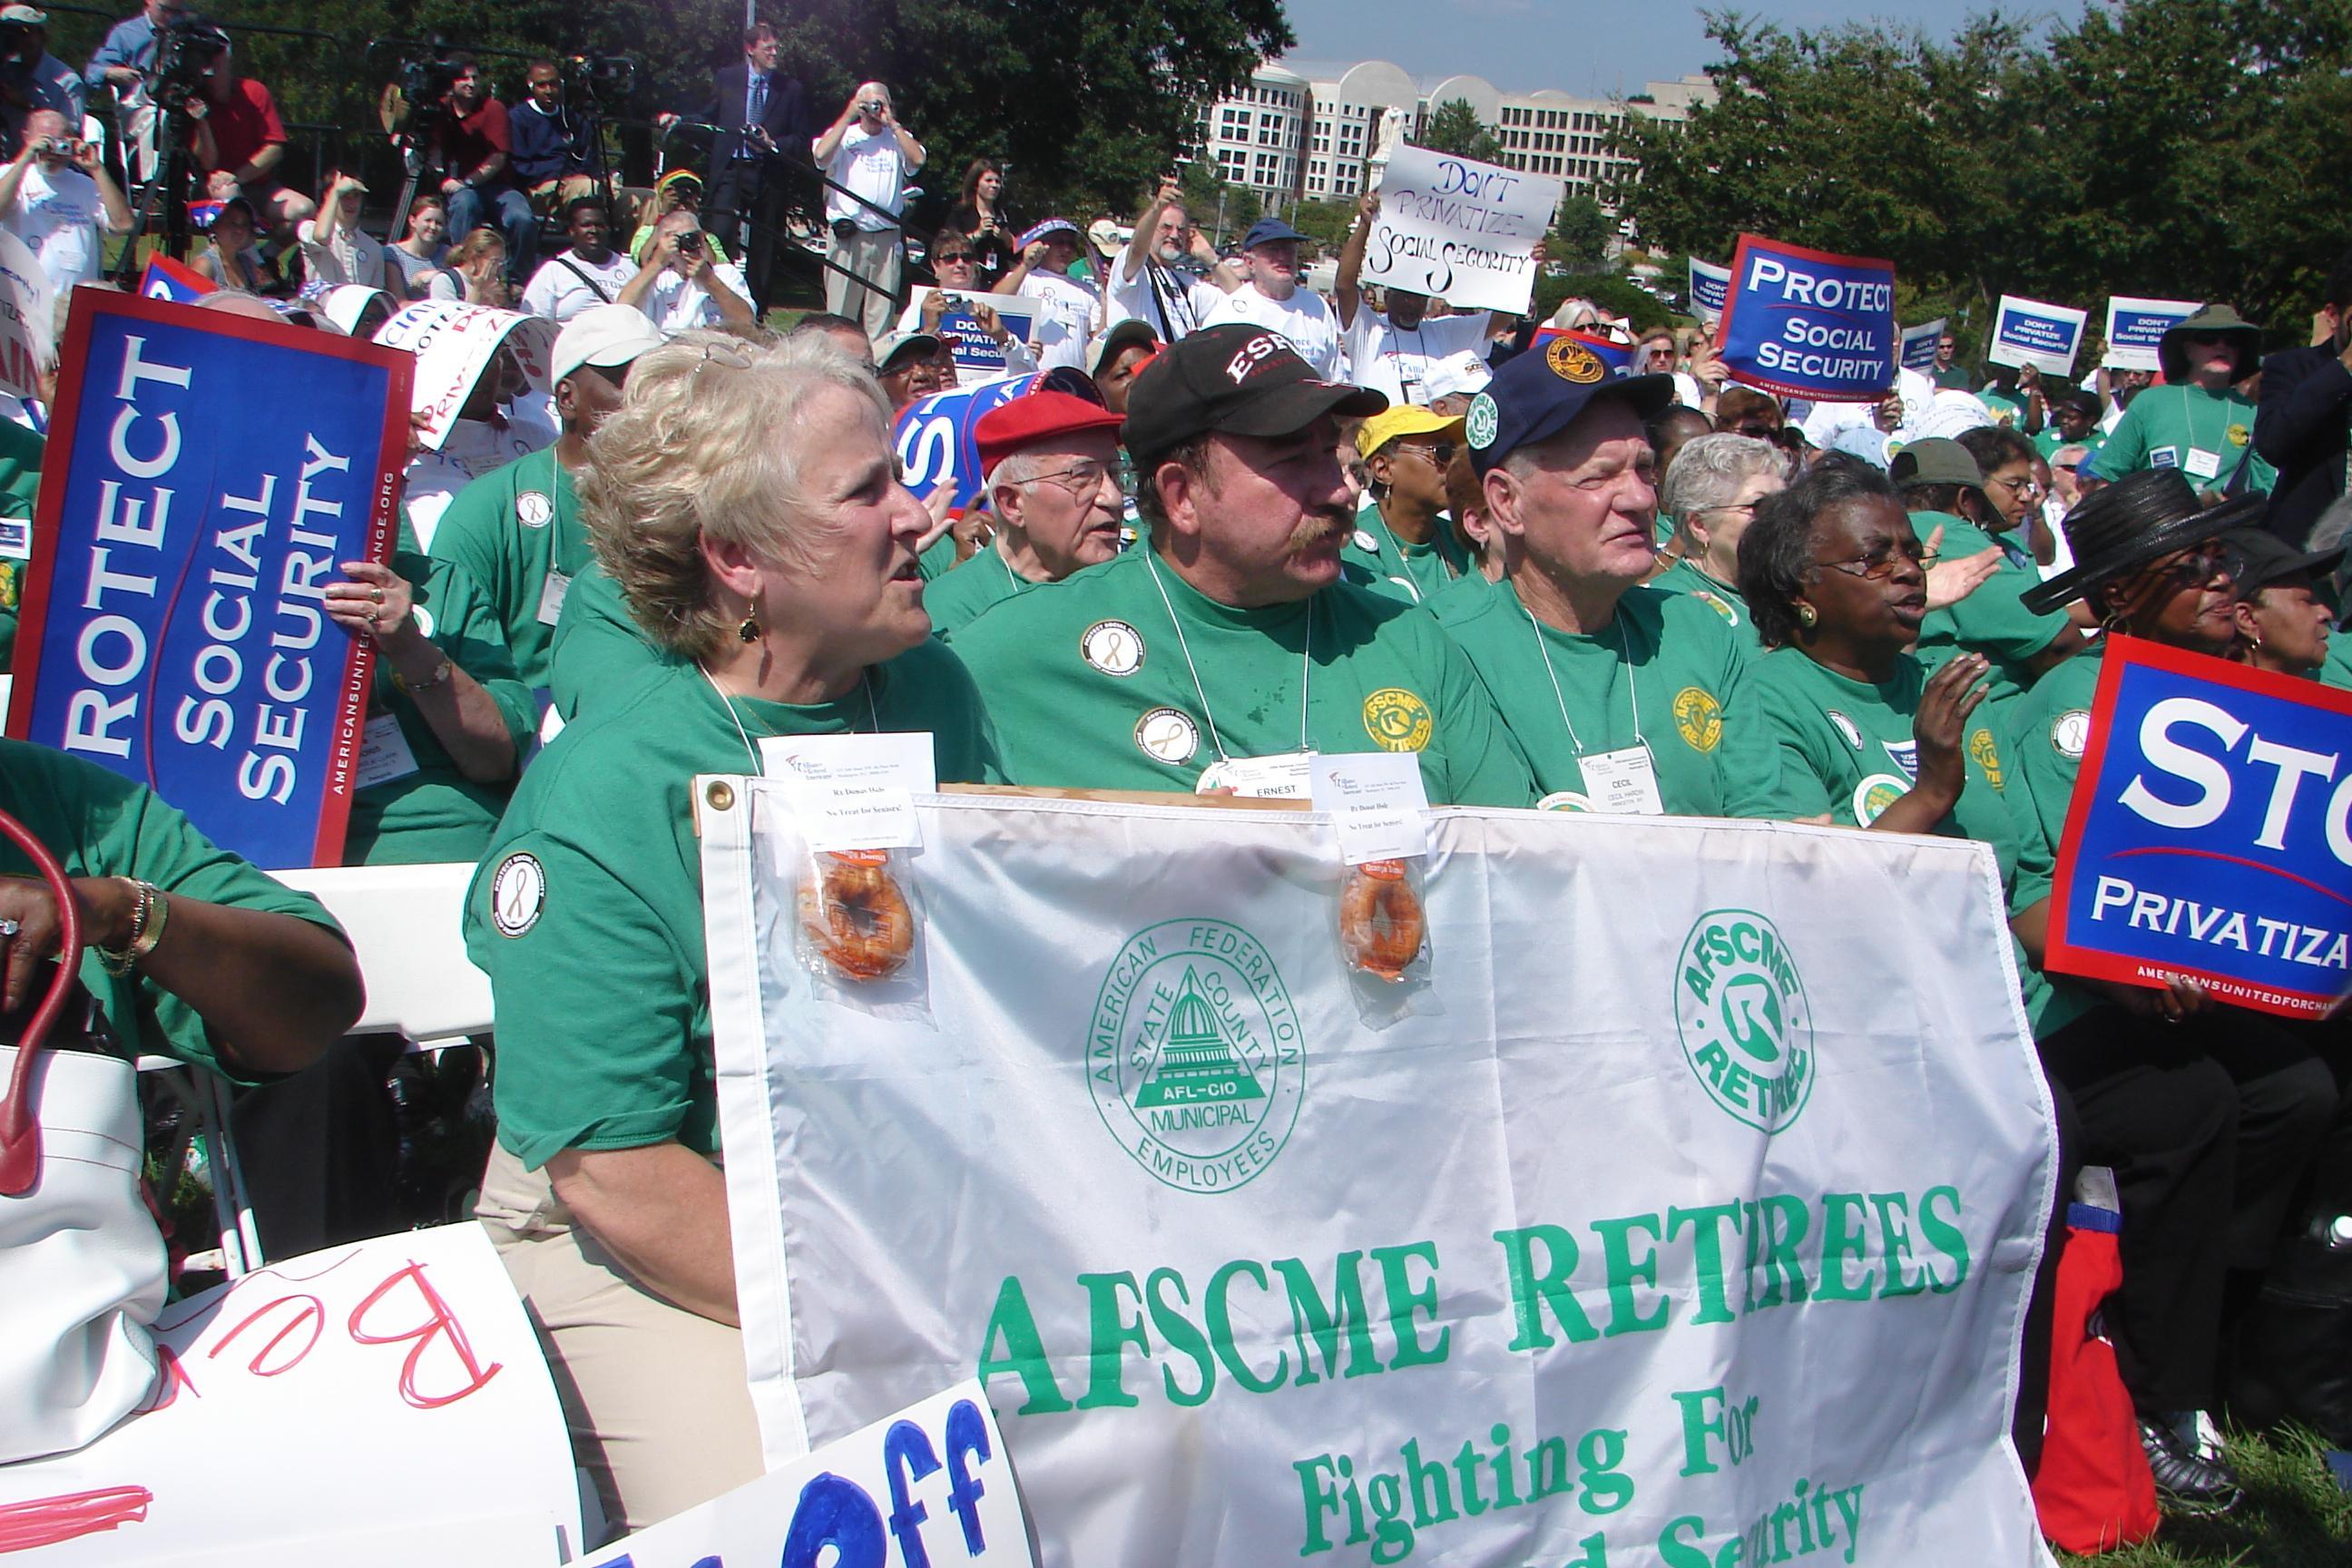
[[1082, 479], [2024, 486], [1746, 506], [2200, 566], [946, 258], [1438, 452], [1879, 565]]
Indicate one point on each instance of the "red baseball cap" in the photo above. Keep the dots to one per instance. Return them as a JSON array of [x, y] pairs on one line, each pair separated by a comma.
[[1038, 416]]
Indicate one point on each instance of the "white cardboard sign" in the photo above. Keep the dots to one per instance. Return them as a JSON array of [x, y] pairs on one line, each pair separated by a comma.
[[1461, 229], [27, 305], [453, 343]]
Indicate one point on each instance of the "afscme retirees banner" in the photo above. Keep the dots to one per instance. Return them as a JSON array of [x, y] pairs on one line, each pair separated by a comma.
[[1809, 323], [1683, 1213], [2210, 835]]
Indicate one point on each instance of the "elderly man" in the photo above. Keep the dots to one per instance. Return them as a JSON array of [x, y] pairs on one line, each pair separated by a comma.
[[869, 155], [1149, 279], [516, 531], [1052, 467], [1624, 699], [57, 197], [589, 274], [1272, 298], [1395, 352], [1228, 651], [476, 145], [680, 286], [1068, 306]]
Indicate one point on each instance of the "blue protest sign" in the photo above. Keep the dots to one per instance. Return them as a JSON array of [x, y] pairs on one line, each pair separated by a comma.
[[1807, 323], [2030, 333], [208, 475], [2135, 328], [977, 354], [2209, 835], [1710, 289], [1617, 357], [935, 439], [1919, 345]]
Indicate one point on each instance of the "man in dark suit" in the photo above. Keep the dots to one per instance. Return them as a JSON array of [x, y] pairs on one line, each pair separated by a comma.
[[2302, 425], [759, 113]]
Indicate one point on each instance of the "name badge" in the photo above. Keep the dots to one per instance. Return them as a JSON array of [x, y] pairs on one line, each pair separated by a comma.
[[1623, 783], [854, 791], [1282, 777], [2202, 464], [16, 537], [550, 597], [384, 754]]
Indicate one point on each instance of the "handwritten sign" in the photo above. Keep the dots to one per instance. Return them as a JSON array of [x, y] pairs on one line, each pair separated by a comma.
[[1807, 323], [1459, 228], [173, 625], [168, 279], [1710, 290], [932, 1482], [2136, 327], [28, 312], [2028, 332], [1919, 345], [935, 440], [322, 1410], [2206, 835], [453, 343]]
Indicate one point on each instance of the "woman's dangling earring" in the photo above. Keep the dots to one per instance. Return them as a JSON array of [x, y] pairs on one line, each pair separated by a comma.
[[749, 631]]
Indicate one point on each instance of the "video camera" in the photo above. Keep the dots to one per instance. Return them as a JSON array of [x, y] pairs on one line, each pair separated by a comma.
[[607, 80], [187, 51]]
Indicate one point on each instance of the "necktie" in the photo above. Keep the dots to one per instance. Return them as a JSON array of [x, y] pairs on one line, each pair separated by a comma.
[[759, 100]]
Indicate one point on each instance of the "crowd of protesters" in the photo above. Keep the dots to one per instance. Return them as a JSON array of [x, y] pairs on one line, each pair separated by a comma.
[[1658, 591]]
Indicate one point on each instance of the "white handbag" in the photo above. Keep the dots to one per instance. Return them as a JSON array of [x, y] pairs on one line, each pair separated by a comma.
[[82, 1265]]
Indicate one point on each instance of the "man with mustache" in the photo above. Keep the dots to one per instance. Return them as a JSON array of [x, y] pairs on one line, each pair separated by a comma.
[[1227, 651]]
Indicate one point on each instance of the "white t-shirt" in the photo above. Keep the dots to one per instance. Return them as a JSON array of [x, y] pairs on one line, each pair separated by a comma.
[[1824, 422], [561, 290], [1065, 319], [1398, 364], [870, 163], [1155, 295], [1311, 325], [353, 257], [56, 215], [677, 305]]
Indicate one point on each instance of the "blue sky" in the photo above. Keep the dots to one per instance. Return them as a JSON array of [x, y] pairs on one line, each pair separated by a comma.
[[1576, 46]]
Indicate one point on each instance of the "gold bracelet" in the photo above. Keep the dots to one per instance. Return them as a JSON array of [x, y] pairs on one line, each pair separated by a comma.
[[148, 913]]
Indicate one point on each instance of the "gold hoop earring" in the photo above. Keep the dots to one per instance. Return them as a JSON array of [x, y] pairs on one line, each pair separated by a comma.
[[749, 631]]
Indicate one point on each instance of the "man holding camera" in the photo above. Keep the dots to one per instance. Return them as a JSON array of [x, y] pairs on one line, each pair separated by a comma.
[[869, 155], [680, 286], [56, 196], [476, 148], [234, 131], [759, 111]]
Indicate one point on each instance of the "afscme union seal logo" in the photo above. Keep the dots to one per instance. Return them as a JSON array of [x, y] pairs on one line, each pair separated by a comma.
[[1193, 1055], [1571, 360], [1746, 1026]]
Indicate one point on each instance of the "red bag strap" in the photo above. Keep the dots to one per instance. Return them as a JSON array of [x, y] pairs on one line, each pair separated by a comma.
[[20, 1134]]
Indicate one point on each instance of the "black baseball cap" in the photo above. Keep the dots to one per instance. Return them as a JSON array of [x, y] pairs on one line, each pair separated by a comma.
[[1537, 393], [1238, 378]]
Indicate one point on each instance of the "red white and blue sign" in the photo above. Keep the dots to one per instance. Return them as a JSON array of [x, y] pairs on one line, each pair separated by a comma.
[[2210, 835], [1809, 323], [191, 516], [168, 279], [935, 437]]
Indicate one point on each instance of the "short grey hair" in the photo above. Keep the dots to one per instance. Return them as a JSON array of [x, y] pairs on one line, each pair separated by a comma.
[[1708, 471], [707, 440]]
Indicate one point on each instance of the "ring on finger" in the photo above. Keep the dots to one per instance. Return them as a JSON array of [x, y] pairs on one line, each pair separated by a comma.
[[9, 928], [375, 595]]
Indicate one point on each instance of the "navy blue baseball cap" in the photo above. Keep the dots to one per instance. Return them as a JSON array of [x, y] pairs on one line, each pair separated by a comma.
[[1537, 394], [1267, 231]]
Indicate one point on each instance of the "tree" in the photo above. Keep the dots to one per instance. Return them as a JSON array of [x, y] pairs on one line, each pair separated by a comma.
[[1325, 223], [1220, 209], [1454, 127], [1580, 234]]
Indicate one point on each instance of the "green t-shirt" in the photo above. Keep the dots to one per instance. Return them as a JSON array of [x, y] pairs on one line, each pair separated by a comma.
[[1953, 378], [1847, 749], [595, 948], [2049, 730], [975, 587], [598, 651], [2337, 670], [2183, 426], [1666, 672], [1088, 684], [100, 823], [1377, 559], [1992, 621], [20, 481], [1686, 577], [432, 813], [1465, 590], [2004, 409], [2047, 441], [939, 559], [509, 531]]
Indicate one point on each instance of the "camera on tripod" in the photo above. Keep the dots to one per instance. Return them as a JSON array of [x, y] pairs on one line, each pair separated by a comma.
[[186, 52], [605, 80]]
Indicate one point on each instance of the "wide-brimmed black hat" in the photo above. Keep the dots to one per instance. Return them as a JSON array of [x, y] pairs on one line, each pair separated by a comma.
[[2119, 528], [2261, 558], [2213, 320]]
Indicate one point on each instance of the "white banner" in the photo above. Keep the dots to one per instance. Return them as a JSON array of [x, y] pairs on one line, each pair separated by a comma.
[[2136, 327], [27, 315], [453, 343], [1459, 228], [1691, 1195], [933, 1476], [2030, 333], [381, 1403]]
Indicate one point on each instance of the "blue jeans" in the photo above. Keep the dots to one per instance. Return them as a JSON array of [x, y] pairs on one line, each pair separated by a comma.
[[468, 210]]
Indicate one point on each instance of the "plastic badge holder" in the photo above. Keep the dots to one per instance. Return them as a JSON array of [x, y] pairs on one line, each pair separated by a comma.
[[1383, 934]]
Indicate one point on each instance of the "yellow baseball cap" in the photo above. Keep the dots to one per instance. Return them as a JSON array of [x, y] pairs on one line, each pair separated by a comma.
[[1403, 419]]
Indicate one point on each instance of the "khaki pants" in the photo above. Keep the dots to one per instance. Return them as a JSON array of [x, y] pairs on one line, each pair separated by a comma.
[[874, 255], [656, 1396]]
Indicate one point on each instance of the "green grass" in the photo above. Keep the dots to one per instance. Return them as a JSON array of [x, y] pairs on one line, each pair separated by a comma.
[[2295, 1516]]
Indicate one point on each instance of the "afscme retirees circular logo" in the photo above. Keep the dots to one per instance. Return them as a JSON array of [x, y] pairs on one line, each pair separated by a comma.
[[1746, 1029]]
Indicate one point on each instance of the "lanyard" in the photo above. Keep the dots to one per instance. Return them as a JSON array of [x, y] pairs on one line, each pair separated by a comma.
[[1306, 662], [864, 680], [1632, 690], [1010, 574]]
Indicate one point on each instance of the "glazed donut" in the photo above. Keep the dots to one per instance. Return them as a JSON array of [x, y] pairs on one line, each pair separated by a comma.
[[1380, 922], [853, 914]]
